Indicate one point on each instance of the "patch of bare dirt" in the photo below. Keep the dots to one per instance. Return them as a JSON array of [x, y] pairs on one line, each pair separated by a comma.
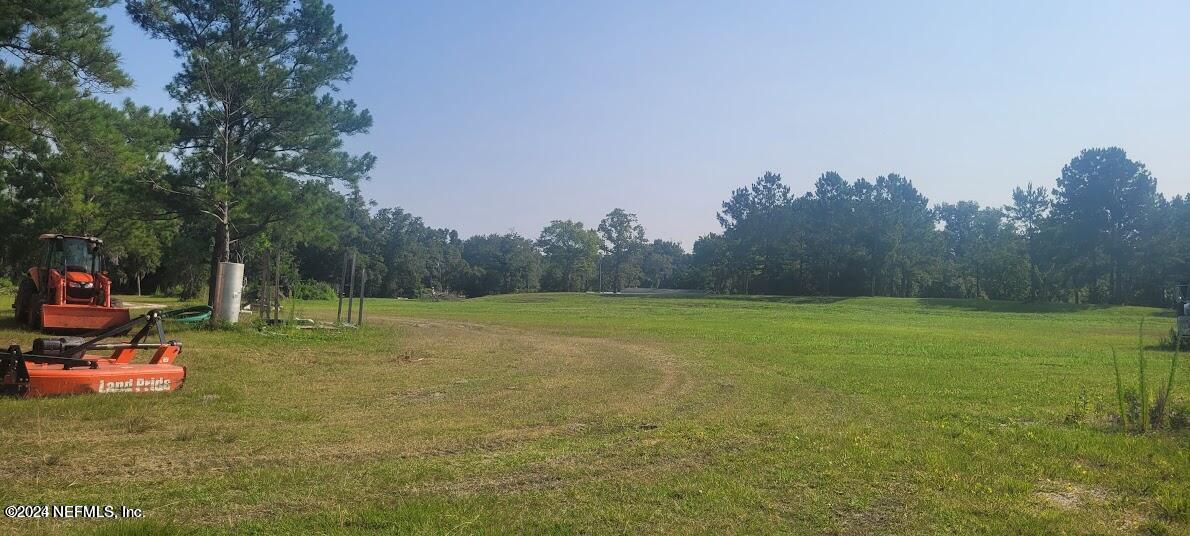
[[884, 514], [1069, 496]]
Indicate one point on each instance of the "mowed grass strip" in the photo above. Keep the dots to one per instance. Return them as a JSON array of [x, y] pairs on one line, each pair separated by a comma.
[[580, 413]]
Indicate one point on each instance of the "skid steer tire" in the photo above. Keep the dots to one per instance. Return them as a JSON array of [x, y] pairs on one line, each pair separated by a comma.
[[35, 314]]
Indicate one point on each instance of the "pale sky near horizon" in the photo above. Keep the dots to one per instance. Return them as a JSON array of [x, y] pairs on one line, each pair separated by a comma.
[[498, 116]]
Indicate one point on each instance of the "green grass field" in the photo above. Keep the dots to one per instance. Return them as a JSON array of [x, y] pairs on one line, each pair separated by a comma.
[[579, 413]]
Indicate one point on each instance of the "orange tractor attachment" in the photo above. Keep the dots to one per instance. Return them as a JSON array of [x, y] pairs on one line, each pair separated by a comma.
[[68, 290], [63, 366]]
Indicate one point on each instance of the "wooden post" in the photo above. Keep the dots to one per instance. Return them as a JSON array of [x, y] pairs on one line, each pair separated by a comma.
[[263, 298], [350, 287], [363, 282], [342, 287], [277, 289]]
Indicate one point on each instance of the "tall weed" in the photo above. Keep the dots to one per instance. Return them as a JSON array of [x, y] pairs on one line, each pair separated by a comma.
[[1136, 412]]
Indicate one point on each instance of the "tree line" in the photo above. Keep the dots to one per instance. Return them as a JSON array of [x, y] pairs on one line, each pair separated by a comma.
[[250, 165], [1102, 234]]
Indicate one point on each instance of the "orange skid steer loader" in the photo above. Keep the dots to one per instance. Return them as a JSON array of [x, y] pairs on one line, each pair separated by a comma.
[[68, 290]]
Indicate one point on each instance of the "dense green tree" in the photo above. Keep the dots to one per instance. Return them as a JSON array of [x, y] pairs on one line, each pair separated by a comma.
[[256, 107], [867, 237], [989, 257], [570, 252], [835, 258], [72, 190], [962, 241], [1029, 209], [758, 227], [415, 256], [623, 241], [72, 163], [1158, 265], [764, 196], [708, 263], [899, 235], [55, 55], [138, 248], [660, 261], [501, 264], [1100, 205], [1029, 212]]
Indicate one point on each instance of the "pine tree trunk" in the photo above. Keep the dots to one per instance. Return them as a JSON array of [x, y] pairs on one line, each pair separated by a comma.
[[1115, 282], [221, 251], [214, 271]]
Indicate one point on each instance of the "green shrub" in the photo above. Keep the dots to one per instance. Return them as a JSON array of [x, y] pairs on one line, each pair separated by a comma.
[[309, 289]]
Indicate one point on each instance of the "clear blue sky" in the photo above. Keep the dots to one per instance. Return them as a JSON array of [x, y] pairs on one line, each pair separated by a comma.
[[491, 116]]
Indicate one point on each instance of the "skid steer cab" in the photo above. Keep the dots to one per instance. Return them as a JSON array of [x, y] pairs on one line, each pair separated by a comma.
[[68, 290]]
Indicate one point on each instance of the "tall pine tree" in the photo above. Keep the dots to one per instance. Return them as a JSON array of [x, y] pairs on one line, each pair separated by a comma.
[[256, 108]]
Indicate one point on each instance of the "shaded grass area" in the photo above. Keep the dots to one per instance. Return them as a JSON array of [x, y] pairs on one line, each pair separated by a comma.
[[583, 413]]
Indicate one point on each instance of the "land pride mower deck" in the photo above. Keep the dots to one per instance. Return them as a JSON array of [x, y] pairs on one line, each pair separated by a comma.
[[63, 366]]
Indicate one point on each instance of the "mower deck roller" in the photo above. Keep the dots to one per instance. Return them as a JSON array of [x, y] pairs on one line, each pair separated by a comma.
[[63, 366]]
